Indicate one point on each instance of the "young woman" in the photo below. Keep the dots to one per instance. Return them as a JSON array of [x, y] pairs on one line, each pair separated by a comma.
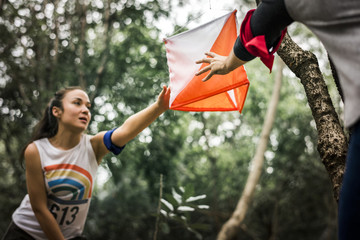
[[61, 163]]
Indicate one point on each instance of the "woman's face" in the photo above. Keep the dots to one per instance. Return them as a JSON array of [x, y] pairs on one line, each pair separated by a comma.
[[75, 114]]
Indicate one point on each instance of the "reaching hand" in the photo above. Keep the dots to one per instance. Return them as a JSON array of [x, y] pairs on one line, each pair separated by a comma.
[[163, 98], [217, 65]]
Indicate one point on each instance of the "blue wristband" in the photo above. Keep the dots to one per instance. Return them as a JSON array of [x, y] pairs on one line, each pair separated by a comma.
[[109, 144]]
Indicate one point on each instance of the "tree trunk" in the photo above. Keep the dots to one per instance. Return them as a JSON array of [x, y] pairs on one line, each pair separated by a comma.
[[232, 226], [332, 142], [274, 223]]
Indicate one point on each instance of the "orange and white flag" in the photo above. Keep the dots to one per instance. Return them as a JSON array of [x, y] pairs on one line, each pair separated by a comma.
[[221, 92]]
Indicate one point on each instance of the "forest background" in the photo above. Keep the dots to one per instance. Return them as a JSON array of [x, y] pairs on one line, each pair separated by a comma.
[[114, 50]]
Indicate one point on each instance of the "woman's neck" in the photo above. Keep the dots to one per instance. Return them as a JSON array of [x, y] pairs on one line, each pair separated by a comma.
[[65, 140]]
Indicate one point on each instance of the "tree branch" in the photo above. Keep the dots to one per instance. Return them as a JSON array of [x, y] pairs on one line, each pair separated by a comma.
[[159, 208], [332, 142], [232, 226]]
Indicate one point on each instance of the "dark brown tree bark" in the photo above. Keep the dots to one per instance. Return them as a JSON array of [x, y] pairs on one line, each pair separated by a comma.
[[336, 78], [332, 141]]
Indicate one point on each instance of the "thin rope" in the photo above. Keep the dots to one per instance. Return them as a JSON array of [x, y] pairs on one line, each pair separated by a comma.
[[186, 24], [194, 19], [190, 20]]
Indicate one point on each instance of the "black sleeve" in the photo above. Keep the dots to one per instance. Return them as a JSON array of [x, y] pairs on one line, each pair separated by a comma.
[[269, 19]]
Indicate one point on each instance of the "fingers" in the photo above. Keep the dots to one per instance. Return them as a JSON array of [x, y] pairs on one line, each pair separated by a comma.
[[208, 76], [162, 93], [164, 98], [166, 88], [203, 70], [165, 92], [207, 59], [211, 54], [204, 60]]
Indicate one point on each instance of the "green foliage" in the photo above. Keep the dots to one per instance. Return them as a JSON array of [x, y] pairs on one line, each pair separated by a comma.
[[177, 206]]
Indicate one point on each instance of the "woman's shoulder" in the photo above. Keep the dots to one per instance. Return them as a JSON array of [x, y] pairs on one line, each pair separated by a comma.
[[31, 151], [31, 148]]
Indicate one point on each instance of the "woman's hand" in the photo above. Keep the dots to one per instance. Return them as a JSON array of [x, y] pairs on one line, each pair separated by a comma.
[[219, 64], [163, 99]]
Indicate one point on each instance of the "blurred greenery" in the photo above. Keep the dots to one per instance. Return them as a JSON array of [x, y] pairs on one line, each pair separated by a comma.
[[114, 50]]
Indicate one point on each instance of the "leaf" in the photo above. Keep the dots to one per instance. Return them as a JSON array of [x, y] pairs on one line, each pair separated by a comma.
[[189, 191], [185, 209], [176, 196], [180, 219], [203, 207], [163, 212], [168, 205], [172, 200], [193, 199]]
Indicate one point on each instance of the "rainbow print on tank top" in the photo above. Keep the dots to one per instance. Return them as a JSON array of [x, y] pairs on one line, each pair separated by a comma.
[[69, 182]]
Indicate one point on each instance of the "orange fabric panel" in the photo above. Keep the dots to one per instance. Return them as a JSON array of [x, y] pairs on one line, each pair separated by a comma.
[[212, 95]]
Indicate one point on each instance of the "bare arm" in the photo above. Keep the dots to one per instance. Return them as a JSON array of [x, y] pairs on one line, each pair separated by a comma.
[[37, 193], [139, 121], [133, 125]]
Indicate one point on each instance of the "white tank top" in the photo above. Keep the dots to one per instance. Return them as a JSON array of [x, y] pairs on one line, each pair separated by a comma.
[[69, 178]]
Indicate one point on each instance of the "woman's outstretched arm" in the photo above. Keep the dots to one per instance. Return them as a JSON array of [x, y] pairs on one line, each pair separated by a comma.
[[133, 125]]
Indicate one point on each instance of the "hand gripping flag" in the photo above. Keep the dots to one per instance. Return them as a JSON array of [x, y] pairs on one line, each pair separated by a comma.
[[221, 92]]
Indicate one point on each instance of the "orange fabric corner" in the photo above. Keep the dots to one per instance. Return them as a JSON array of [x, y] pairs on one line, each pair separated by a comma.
[[213, 95]]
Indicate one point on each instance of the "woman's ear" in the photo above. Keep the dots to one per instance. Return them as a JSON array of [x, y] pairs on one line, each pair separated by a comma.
[[56, 111]]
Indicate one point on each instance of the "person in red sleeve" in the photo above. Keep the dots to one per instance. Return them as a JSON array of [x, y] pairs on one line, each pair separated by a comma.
[[337, 25]]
